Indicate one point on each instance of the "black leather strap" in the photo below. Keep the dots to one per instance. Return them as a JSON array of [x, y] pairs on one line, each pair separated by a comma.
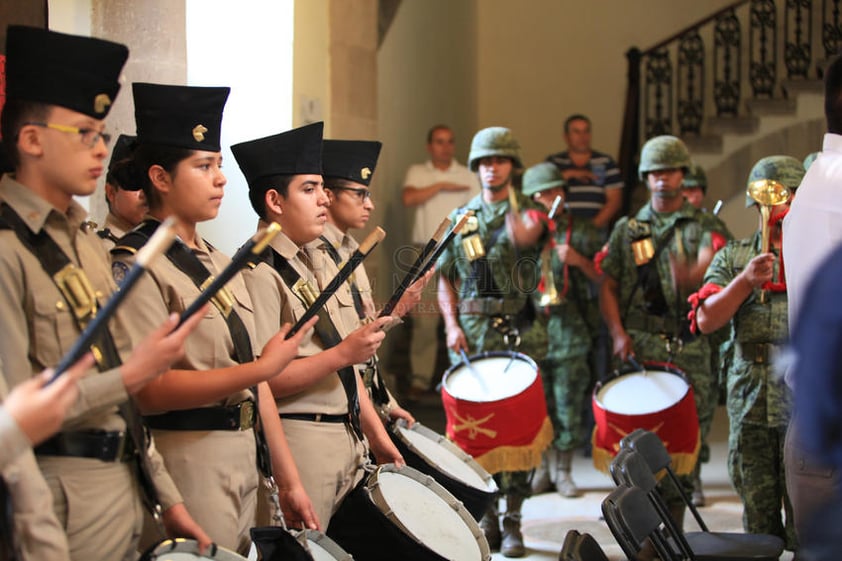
[[108, 446], [355, 290], [315, 417]]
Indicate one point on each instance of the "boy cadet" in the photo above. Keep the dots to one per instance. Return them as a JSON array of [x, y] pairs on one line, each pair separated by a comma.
[[348, 167], [321, 400], [759, 402], [565, 371], [59, 89]]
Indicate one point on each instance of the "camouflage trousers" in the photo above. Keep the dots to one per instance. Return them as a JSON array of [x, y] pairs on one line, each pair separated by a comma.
[[756, 467], [693, 359], [514, 483], [566, 381]]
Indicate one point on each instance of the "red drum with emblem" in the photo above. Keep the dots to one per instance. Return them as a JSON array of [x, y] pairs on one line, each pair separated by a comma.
[[658, 399], [496, 411]]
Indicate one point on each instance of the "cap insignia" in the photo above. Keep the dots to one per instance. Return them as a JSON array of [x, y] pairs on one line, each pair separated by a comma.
[[101, 103], [365, 173], [199, 132]]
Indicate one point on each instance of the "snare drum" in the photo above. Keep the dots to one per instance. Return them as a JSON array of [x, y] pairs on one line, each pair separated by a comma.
[[400, 513], [181, 549], [659, 399], [496, 411], [432, 454], [276, 544]]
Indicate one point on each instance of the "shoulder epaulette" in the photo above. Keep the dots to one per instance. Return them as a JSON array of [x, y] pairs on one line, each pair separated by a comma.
[[134, 240]]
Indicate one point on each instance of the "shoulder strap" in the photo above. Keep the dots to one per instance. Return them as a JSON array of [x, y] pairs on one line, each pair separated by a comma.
[[70, 280], [355, 290]]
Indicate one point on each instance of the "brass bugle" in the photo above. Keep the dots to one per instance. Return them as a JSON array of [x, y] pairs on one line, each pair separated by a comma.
[[767, 193]]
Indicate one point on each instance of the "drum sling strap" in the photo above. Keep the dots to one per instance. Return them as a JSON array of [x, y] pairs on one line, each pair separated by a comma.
[[355, 290], [649, 278], [69, 279], [324, 329], [7, 530], [375, 379], [187, 262]]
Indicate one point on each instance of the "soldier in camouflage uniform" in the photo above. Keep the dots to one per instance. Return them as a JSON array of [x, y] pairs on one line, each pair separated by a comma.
[[485, 290], [759, 402], [566, 269], [694, 188], [667, 244]]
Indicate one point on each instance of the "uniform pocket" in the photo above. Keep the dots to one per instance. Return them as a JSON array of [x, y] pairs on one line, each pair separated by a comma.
[[54, 329]]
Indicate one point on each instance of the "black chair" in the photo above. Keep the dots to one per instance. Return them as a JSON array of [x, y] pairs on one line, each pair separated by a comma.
[[581, 547], [702, 546], [635, 524]]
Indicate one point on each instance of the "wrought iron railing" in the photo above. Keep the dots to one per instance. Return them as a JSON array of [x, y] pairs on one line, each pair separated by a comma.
[[673, 88]]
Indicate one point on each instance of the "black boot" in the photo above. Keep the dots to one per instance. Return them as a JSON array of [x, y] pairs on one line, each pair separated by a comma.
[[512, 543], [490, 525]]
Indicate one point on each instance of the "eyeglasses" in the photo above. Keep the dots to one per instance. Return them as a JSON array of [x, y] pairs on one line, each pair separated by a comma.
[[362, 194], [89, 137]]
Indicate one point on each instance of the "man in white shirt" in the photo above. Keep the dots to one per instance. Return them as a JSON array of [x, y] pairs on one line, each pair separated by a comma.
[[812, 230], [434, 189]]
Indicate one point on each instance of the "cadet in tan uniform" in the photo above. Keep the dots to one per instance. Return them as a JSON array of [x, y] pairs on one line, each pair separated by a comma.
[[28, 415], [59, 88], [126, 202], [317, 395], [203, 412], [348, 167]]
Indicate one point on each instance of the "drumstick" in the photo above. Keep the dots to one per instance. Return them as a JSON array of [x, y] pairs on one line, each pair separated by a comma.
[[413, 270], [160, 242], [466, 361], [443, 245], [556, 203], [636, 365], [356, 258], [254, 246]]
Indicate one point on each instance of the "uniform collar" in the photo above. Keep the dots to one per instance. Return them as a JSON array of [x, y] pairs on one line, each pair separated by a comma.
[[35, 211], [285, 247], [337, 238]]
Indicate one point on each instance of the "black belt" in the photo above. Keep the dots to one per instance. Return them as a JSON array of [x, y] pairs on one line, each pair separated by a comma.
[[236, 417], [108, 446], [316, 417]]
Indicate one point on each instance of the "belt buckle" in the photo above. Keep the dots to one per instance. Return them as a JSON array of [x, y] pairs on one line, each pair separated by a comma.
[[305, 291], [761, 352], [77, 290], [246, 415], [121, 446]]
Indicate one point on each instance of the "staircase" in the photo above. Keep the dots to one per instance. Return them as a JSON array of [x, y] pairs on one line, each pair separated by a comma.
[[741, 84]]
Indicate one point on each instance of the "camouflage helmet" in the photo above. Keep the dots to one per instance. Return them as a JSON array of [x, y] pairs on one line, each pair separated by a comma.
[[783, 169], [494, 141], [811, 157], [542, 177], [663, 152], [695, 179]]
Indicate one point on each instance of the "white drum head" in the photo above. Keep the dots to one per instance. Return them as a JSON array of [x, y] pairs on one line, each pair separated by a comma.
[[181, 549], [641, 393], [489, 380], [424, 510], [322, 548], [444, 455]]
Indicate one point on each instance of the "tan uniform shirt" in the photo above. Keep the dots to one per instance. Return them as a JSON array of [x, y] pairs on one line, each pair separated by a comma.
[[38, 329], [279, 305], [114, 229]]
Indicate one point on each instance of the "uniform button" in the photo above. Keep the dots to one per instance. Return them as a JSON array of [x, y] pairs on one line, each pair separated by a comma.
[[59, 305]]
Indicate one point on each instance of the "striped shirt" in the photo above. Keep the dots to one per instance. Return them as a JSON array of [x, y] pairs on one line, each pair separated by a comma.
[[586, 198]]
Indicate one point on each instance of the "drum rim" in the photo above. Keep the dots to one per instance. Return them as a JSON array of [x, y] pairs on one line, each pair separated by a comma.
[[484, 355], [372, 487], [186, 545], [491, 485], [323, 540], [667, 367]]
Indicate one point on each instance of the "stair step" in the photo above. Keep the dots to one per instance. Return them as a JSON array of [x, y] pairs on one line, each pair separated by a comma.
[[703, 144], [743, 124], [775, 106], [795, 87]]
